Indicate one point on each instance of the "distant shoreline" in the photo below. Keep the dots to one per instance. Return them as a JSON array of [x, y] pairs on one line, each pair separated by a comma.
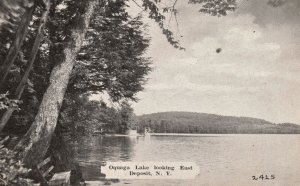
[[211, 135], [193, 135], [202, 123]]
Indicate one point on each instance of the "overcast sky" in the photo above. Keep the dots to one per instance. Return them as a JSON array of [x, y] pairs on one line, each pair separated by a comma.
[[257, 73]]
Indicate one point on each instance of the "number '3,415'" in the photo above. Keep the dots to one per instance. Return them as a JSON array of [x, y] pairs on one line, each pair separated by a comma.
[[264, 177]]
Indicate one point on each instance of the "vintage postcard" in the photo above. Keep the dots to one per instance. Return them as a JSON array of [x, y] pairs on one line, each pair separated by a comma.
[[150, 92]]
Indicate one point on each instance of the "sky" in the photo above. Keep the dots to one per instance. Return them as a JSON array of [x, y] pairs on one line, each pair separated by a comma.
[[256, 74]]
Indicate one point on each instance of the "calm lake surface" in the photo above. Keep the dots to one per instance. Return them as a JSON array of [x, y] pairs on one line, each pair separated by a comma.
[[223, 159]]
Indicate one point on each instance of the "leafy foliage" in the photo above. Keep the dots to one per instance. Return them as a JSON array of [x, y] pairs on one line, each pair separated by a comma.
[[216, 7], [276, 3], [81, 116], [11, 170], [111, 59], [5, 102], [158, 16], [10, 11], [211, 7]]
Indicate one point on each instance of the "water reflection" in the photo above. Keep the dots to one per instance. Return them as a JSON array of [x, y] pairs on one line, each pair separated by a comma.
[[237, 157], [92, 151]]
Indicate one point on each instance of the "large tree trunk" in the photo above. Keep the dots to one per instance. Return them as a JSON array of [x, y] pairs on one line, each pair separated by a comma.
[[33, 146], [16, 45], [19, 90]]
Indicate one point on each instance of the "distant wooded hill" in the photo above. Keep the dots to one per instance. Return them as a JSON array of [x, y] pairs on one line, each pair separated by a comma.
[[190, 122]]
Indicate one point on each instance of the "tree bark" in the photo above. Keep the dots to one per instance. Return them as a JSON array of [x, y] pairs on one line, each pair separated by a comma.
[[19, 90], [16, 45], [34, 145]]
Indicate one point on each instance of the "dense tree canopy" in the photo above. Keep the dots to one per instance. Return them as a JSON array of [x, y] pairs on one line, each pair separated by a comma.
[[112, 57]]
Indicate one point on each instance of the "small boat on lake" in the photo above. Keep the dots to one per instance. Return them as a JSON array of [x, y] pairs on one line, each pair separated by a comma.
[[147, 131], [130, 132]]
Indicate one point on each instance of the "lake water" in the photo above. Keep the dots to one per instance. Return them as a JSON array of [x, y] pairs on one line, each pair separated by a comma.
[[223, 159]]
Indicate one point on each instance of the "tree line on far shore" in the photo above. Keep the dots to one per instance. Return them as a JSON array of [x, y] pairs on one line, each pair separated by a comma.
[[199, 123]]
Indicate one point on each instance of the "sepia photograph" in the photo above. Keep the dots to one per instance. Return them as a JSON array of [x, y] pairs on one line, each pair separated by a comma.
[[150, 92]]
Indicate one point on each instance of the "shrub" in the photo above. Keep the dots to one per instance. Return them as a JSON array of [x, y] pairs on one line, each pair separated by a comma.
[[12, 171]]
